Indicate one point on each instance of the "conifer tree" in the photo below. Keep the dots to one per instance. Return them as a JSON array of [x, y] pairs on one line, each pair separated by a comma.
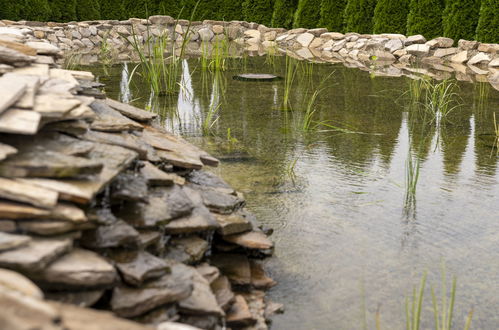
[[259, 11], [169, 7], [62, 10], [461, 19], [425, 17], [488, 23], [35, 10], [284, 13], [358, 16], [332, 12], [390, 16], [11, 10], [87, 10], [231, 10], [140, 8], [111, 9], [307, 14]]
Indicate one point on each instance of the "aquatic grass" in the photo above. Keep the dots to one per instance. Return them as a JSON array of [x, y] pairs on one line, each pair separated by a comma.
[[440, 99], [412, 170], [413, 306], [496, 134], [289, 79], [481, 95], [310, 111]]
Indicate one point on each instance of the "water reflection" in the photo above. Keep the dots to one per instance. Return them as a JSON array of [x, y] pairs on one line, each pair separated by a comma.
[[343, 238]]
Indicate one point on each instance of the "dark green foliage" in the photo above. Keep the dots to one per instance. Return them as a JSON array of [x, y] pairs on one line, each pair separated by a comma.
[[35, 10], [11, 9], [140, 8], [390, 16], [87, 10], [231, 10], [308, 14], [488, 24], [169, 7], [259, 11], [112, 9], [359, 16], [332, 14], [63, 10], [425, 17], [284, 13], [461, 18]]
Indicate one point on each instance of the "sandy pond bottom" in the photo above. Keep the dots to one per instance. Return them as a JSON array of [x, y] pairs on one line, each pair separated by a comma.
[[348, 247]]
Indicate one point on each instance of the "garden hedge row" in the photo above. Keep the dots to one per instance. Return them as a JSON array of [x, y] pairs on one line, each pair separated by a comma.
[[457, 19]]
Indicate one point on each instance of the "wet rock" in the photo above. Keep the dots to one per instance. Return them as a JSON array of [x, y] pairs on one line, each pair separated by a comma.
[[201, 301], [259, 279], [78, 298], [234, 223], [235, 266], [223, 292], [218, 200], [77, 318], [187, 249], [14, 281], [209, 179], [130, 111], [250, 240], [10, 241], [272, 308], [138, 267], [48, 164], [117, 234], [129, 302], [239, 314], [109, 120], [210, 273], [129, 187], [36, 255], [164, 204], [148, 238], [79, 269], [256, 304], [155, 177]]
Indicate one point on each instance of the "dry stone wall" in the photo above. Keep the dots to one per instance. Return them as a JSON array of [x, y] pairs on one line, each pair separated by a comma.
[[384, 54]]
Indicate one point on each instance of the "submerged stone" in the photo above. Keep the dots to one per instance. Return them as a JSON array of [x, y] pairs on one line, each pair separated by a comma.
[[256, 77]]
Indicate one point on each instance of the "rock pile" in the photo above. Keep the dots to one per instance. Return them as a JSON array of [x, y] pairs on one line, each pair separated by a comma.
[[101, 208]]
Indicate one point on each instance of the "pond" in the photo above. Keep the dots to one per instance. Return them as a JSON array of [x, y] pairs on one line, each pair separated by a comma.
[[351, 240]]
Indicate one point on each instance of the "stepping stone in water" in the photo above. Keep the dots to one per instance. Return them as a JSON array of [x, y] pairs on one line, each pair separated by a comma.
[[256, 77]]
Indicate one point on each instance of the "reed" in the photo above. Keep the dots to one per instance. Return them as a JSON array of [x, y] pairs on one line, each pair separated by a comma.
[[413, 306], [440, 99], [412, 169], [496, 133], [289, 79]]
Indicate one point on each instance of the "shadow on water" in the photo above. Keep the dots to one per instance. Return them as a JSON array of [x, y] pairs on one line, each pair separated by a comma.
[[350, 245]]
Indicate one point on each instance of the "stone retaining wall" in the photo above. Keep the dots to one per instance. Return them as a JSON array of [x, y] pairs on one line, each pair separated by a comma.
[[469, 60]]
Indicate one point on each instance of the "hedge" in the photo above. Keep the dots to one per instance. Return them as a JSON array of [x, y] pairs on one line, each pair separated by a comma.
[[36, 10], [87, 10], [358, 16], [425, 17], [488, 24], [139, 8], [461, 19], [284, 13], [307, 14], [62, 10], [332, 14], [111, 9], [259, 11], [390, 16]]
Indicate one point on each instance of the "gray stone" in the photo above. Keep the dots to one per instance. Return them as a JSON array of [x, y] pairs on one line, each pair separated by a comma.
[[55, 105], [6, 151], [383, 56], [460, 57], [416, 39], [23, 122], [117, 234], [305, 39], [110, 120], [11, 91], [187, 250], [50, 228], [418, 49], [170, 288], [78, 298], [235, 266], [250, 240], [27, 193], [223, 292], [44, 48], [480, 58], [10, 241], [442, 52], [393, 45], [14, 57], [234, 223], [161, 20], [14, 281], [206, 34], [155, 177], [36, 255], [130, 111], [440, 42], [219, 200], [137, 267], [79, 269], [259, 280], [239, 314]]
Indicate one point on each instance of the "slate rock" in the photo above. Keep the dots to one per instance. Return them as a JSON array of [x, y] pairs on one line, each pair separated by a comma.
[[11, 241], [116, 234], [110, 120], [79, 298], [156, 177], [239, 314], [235, 266], [223, 292], [234, 223], [250, 240], [137, 267], [14, 281], [130, 111], [210, 273], [187, 250], [129, 187], [205, 178], [259, 279]]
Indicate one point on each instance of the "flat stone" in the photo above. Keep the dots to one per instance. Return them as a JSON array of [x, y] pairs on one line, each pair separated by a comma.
[[201, 301], [23, 192], [239, 314], [234, 223], [48, 164], [441, 52], [11, 91], [393, 45], [8, 226], [488, 48], [383, 56], [80, 269], [223, 292], [78, 318], [440, 42], [78, 298], [17, 46], [14, 57], [256, 77], [188, 250], [63, 74], [54, 105], [305, 39], [272, 308], [479, 59], [170, 288], [50, 228], [235, 266], [460, 57], [418, 49], [130, 111], [205, 178], [27, 101], [110, 120], [210, 273], [120, 139], [156, 177], [415, 39], [41, 70], [467, 44], [218, 200], [494, 63], [136, 268], [16, 121], [161, 20], [61, 211], [11, 241], [332, 36], [36, 255], [175, 326], [117, 234], [6, 151], [164, 204], [44, 48], [250, 240], [259, 279], [81, 75], [14, 281]]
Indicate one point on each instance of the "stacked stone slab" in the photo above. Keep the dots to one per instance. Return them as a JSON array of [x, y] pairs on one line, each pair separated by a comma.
[[100, 207]]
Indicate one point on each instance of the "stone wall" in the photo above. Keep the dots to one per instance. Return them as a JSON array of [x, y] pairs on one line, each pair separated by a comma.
[[385, 54], [101, 207]]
